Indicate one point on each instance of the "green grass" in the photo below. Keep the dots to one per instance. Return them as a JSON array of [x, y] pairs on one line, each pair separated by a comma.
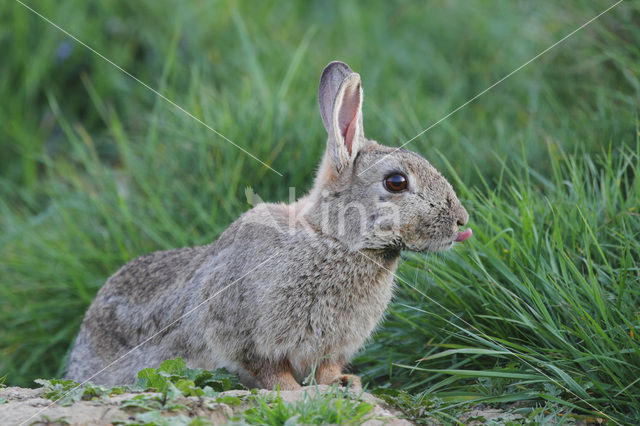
[[542, 303], [330, 407]]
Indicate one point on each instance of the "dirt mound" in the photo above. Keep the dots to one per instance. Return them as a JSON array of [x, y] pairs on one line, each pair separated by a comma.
[[29, 406]]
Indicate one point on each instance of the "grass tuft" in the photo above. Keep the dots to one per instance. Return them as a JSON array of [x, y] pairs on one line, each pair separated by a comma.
[[543, 302], [330, 407]]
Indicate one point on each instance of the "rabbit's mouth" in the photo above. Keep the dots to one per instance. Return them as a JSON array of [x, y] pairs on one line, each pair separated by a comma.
[[464, 235], [432, 247], [443, 245]]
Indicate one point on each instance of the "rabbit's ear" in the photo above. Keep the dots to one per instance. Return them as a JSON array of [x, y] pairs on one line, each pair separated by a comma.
[[340, 99]]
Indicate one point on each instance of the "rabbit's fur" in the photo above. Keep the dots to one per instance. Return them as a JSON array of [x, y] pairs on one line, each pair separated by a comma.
[[286, 289]]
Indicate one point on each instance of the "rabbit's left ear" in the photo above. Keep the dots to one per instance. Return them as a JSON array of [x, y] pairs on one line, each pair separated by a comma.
[[340, 99]]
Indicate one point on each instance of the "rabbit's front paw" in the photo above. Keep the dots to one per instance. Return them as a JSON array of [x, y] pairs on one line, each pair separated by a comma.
[[349, 380]]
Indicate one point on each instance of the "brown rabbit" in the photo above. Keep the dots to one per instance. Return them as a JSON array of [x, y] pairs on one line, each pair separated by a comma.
[[286, 289]]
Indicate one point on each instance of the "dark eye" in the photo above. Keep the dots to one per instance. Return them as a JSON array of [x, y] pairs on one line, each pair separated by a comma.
[[395, 182]]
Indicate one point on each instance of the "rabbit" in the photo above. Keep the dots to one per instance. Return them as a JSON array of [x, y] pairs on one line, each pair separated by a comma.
[[288, 291]]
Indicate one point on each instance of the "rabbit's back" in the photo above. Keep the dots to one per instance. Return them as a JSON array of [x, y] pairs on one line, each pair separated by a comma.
[[134, 304]]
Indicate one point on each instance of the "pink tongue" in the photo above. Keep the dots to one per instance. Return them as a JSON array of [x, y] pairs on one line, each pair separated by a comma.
[[464, 235]]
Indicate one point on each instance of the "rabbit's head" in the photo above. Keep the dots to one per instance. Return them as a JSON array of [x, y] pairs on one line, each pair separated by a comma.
[[372, 196]]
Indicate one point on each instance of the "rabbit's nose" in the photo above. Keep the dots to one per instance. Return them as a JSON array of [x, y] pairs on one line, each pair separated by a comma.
[[462, 217]]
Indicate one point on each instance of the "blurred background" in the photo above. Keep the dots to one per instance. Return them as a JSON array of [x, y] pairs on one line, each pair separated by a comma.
[[96, 169]]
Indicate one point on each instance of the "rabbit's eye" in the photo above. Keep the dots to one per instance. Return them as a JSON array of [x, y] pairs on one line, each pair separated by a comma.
[[395, 182]]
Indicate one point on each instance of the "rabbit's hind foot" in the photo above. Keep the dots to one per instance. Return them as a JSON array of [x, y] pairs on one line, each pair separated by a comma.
[[350, 381], [330, 372], [276, 375]]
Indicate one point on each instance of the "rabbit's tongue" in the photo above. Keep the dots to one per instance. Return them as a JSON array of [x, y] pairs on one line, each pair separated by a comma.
[[464, 235]]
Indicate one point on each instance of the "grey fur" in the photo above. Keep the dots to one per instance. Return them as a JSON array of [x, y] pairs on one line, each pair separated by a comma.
[[285, 288]]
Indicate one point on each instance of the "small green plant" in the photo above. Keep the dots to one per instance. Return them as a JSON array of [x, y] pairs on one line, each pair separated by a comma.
[[66, 392], [145, 402], [172, 380], [418, 408], [156, 418], [174, 376], [55, 388], [330, 407], [48, 421]]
